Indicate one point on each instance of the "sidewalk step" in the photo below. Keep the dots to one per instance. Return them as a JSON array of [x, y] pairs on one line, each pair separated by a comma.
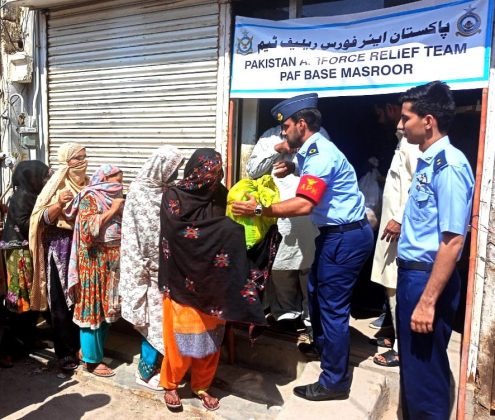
[[271, 352], [369, 398], [123, 346]]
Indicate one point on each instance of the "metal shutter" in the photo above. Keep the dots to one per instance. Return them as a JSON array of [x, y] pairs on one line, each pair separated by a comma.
[[126, 77]]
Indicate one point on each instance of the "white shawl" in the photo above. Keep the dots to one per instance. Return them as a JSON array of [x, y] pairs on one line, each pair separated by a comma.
[[138, 287]]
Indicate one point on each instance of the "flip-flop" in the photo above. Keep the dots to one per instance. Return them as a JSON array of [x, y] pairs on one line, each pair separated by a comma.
[[382, 342], [100, 370], [391, 359], [171, 406], [201, 395]]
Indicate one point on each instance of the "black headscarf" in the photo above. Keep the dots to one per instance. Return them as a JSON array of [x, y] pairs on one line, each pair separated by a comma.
[[203, 257], [28, 180]]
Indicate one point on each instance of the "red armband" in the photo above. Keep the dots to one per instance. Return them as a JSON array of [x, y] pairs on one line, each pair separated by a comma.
[[311, 187]]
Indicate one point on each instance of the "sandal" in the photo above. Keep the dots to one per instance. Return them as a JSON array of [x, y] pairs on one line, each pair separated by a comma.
[[206, 400], [384, 342], [390, 359], [99, 369], [176, 404], [68, 363]]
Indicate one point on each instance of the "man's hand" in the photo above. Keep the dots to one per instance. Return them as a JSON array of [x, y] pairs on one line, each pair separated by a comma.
[[244, 208], [422, 318], [391, 232], [283, 168]]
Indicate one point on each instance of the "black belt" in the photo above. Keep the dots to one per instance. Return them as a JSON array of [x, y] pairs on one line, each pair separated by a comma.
[[415, 265], [344, 228]]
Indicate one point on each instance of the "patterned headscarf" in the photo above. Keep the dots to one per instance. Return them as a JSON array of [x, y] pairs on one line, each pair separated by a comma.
[[159, 168], [138, 286], [104, 193], [70, 177], [203, 257]]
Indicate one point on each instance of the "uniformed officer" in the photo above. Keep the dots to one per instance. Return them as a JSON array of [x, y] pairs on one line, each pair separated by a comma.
[[433, 229], [328, 190]]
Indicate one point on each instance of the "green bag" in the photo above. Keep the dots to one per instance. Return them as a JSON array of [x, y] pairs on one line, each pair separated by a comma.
[[265, 192]]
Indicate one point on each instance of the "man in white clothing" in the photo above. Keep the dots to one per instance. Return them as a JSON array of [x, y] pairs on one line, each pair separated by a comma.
[[286, 293], [395, 194]]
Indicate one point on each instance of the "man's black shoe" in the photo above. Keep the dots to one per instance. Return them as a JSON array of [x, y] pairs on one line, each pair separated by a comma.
[[317, 392], [309, 350]]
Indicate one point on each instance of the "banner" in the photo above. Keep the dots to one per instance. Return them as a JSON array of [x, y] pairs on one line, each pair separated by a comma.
[[383, 51]]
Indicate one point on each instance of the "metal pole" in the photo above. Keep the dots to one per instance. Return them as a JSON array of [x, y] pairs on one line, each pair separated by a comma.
[[295, 8]]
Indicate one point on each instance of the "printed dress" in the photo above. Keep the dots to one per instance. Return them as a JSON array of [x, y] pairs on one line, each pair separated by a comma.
[[19, 279], [98, 264]]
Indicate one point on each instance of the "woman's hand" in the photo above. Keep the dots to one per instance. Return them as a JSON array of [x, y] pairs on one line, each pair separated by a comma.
[[64, 197]]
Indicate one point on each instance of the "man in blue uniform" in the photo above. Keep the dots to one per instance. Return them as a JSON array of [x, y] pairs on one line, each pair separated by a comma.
[[434, 225], [327, 190]]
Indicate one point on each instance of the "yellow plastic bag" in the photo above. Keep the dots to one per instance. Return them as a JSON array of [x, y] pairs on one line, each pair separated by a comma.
[[265, 193]]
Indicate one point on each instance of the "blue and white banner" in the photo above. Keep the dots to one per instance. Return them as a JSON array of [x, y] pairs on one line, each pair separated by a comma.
[[383, 51]]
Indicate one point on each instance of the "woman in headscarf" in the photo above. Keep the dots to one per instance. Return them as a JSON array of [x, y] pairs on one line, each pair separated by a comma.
[[50, 238], [142, 301], [206, 276], [27, 181], [94, 262]]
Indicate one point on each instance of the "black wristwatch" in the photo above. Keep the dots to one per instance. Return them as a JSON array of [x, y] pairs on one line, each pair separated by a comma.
[[258, 210]]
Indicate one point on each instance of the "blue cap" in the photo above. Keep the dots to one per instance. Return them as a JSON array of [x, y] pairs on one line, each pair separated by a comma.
[[289, 107]]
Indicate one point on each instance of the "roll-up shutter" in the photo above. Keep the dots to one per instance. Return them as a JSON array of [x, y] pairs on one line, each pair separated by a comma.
[[126, 77]]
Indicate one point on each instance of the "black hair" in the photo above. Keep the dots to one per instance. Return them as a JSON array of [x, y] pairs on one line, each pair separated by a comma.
[[434, 98], [380, 101], [312, 116]]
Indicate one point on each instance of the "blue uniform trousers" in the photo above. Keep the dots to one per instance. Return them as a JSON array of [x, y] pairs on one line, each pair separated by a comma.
[[424, 364], [339, 258]]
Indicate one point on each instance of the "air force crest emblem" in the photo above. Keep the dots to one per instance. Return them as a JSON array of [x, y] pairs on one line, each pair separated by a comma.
[[469, 23], [313, 150], [245, 44]]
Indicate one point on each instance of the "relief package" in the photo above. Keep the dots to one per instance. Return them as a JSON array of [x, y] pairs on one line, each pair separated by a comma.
[[265, 192]]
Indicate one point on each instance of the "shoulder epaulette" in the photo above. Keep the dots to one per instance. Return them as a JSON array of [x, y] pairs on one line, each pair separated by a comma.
[[312, 150], [440, 161]]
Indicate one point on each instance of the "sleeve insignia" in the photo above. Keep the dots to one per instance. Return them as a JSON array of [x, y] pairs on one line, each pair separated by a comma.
[[440, 161], [311, 187]]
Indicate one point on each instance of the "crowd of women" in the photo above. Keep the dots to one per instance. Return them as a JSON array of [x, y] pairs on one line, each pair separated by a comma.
[[163, 258]]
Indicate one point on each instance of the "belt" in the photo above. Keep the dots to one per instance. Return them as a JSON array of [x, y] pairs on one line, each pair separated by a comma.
[[415, 265], [344, 228]]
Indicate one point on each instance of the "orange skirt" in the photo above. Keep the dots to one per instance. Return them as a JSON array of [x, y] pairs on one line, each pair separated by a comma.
[[192, 340]]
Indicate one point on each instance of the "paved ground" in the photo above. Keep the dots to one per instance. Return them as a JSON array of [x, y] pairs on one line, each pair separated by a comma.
[[30, 390], [35, 389]]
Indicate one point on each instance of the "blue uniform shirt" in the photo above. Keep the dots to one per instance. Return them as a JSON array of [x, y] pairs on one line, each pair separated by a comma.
[[342, 202], [440, 200]]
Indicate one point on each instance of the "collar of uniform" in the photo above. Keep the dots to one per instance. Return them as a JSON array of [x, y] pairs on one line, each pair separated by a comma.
[[303, 150], [433, 150]]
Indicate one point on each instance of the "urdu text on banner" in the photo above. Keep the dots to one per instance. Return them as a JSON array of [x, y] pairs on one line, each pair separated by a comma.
[[383, 51]]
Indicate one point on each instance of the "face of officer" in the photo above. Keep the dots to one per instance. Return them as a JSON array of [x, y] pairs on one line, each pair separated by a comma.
[[293, 132], [414, 127]]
